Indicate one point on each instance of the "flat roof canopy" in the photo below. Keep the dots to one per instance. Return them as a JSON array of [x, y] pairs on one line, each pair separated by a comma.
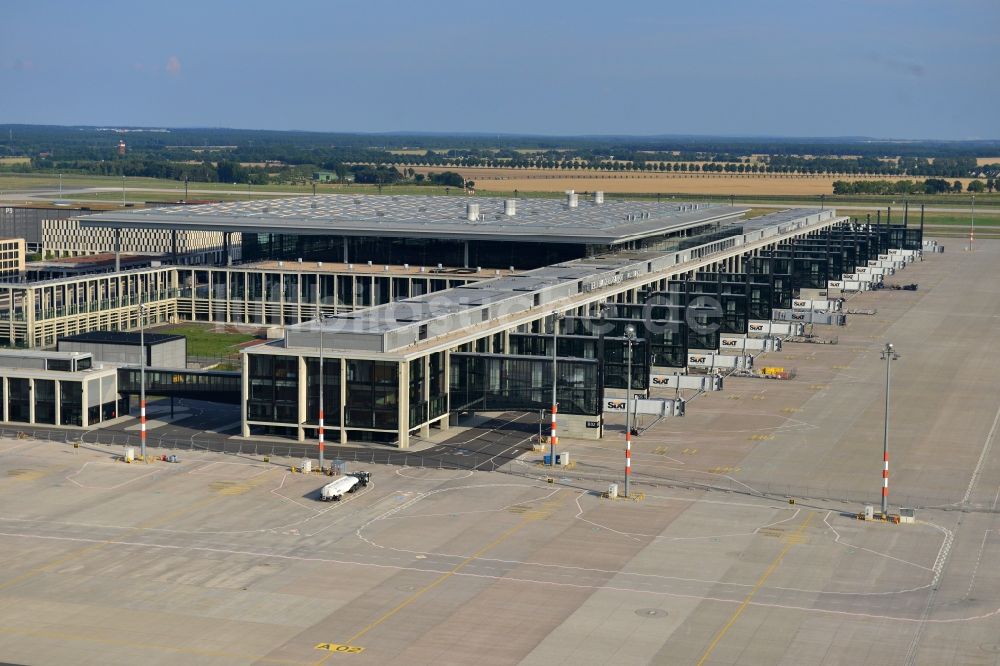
[[435, 217]]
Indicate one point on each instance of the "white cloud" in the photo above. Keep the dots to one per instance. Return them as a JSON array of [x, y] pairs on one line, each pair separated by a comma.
[[173, 66]]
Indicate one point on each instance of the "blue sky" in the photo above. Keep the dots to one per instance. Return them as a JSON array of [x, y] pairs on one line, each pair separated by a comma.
[[883, 68]]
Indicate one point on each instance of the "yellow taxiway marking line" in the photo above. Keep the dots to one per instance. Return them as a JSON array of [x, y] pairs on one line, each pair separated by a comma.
[[791, 541]]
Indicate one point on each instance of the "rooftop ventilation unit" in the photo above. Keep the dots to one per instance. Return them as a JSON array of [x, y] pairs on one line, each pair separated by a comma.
[[510, 207], [471, 211], [571, 199], [598, 198]]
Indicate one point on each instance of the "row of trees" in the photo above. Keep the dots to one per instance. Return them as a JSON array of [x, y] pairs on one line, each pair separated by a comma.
[[209, 155], [224, 171], [383, 174], [928, 186], [952, 168]]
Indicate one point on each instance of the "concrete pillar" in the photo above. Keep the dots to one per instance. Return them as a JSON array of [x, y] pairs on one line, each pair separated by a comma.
[[6, 402], [465, 253], [245, 394], [118, 249], [58, 402], [84, 397], [31, 400], [343, 400], [227, 256], [346, 260], [173, 245], [403, 403], [303, 396], [425, 393], [445, 421]]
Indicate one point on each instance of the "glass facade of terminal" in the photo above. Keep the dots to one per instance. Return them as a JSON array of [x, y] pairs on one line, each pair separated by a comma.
[[365, 398], [522, 255], [499, 382]]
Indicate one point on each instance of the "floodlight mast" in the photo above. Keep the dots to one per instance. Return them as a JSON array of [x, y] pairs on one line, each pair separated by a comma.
[[322, 381], [553, 439], [888, 355], [629, 341], [142, 379]]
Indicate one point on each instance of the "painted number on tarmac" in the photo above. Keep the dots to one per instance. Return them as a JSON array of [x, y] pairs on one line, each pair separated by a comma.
[[344, 649]]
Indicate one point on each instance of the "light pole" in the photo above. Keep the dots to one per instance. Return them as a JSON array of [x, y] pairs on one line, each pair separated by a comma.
[[142, 378], [888, 355], [629, 340], [555, 377], [322, 381], [123, 190], [972, 227]]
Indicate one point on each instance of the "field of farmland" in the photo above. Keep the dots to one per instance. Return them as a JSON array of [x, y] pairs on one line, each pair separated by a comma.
[[549, 180]]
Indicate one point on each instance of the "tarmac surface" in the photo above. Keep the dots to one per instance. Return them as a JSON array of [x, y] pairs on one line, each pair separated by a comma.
[[226, 559]]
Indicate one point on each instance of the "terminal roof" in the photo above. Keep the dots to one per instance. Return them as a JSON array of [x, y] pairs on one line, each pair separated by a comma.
[[406, 322], [130, 338], [542, 220]]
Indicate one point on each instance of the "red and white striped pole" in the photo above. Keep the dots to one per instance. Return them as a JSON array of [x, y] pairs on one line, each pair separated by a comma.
[[553, 440], [321, 443], [142, 379], [629, 340], [322, 381], [885, 482], [628, 459]]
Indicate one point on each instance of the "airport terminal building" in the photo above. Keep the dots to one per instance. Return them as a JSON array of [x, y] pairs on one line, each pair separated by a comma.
[[424, 306], [401, 362]]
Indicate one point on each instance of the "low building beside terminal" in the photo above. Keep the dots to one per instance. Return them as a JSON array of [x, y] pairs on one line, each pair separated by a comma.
[[58, 388], [157, 350]]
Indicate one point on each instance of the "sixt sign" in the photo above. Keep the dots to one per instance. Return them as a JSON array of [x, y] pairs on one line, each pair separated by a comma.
[[697, 359], [756, 327], [659, 381], [614, 406], [730, 342]]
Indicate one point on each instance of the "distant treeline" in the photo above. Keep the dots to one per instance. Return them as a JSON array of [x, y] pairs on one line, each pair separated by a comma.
[[211, 154], [928, 186]]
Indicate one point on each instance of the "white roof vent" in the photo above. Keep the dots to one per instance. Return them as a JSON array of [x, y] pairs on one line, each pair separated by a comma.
[[510, 207], [598, 198], [571, 198], [471, 211]]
